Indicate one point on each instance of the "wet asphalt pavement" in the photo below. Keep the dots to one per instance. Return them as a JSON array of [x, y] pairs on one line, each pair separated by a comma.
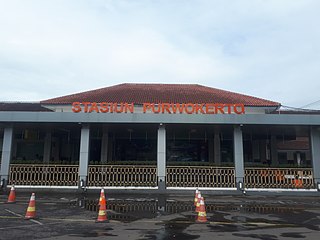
[[150, 216]]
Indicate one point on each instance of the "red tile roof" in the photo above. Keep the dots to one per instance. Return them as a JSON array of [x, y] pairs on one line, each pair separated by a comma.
[[160, 93]]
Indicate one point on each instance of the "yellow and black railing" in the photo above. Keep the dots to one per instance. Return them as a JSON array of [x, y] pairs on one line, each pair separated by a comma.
[[146, 176], [293, 178], [200, 176], [43, 175], [122, 175]]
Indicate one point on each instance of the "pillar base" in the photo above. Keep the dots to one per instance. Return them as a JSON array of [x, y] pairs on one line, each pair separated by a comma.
[[161, 183], [82, 183], [4, 182], [240, 184], [317, 183]]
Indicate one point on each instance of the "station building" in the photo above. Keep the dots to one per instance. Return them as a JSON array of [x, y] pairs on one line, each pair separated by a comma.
[[159, 136]]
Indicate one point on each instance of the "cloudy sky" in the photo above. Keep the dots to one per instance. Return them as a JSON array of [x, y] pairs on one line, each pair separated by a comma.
[[264, 48]]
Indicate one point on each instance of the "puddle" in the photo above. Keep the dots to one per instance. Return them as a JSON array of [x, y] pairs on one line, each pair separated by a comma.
[[173, 229], [224, 216], [257, 236], [94, 234], [293, 235], [125, 210], [301, 218], [152, 206]]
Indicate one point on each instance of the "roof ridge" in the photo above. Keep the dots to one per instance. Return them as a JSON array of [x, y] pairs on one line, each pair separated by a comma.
[[178, 84], [161, 92]]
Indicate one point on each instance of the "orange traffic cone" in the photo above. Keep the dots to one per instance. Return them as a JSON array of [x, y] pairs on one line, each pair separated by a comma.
[[196, 197], [31, 211], [202, 215], [102, 215], [12, 195], [102, 195], [198, 202]]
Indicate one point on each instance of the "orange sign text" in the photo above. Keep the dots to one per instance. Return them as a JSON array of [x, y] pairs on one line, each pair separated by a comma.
[[170, 108]]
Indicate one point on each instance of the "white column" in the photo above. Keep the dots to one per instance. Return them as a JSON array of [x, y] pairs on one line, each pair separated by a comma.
[[104, 146], [47, 147], [161, 157], [6, 154], [84, 153], [238, 155]]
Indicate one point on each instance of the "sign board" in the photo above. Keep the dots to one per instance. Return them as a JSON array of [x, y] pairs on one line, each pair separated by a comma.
[[169, 108]]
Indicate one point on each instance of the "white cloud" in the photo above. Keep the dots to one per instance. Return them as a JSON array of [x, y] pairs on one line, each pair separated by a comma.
[[267, 49]]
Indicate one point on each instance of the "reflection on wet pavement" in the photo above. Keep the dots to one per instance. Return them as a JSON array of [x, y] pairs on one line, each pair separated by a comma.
[[223, 217], [94, 234], [161, 217], [173, 229]]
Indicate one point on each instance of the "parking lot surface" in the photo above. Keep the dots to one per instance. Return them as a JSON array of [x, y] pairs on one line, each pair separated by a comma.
[[66, 215]]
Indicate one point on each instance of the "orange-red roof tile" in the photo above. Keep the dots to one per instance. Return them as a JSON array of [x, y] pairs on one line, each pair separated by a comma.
[[161, 93]]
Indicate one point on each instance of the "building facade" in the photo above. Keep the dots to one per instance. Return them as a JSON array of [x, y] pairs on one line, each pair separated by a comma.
[[159, 136]]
